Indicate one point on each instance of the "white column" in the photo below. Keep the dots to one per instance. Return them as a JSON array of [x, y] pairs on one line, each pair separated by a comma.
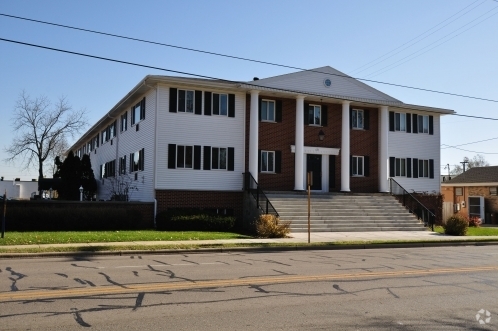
[[345, 143], [299, 157], [254, 135], [383, 149]]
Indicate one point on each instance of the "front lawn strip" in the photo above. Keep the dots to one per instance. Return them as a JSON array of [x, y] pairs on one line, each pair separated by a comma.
[[473, 231]]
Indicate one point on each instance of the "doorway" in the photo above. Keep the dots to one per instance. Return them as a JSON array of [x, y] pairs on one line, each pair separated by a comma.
[[314, 164]]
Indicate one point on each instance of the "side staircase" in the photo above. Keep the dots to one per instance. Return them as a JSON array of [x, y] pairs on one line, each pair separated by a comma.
[[336, 212]]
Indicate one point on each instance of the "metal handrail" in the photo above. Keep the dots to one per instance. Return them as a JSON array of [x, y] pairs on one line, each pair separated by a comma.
[[251, 186], [408, 201]]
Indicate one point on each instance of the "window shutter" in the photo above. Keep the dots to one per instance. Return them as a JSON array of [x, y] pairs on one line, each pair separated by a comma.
[[431, 168], [278, 111], [366, 166], [409, 167], [259, 160], [392, 166], [331, 171], [198, 103], [124, 164], [231, 105], [142, 109], [366, 119], [142, 159], [415, 168], [350, 118], [231, 159], [415, 123], [132, 112], [408, 123], [324, 115], [172, 101], [391, 121], [171, 156], [207, 103], [216, 104], [260, 106], [306, 114], [131, 163], [207, 157], [278, 162], [197, 157], [431, 124], [350, 165]]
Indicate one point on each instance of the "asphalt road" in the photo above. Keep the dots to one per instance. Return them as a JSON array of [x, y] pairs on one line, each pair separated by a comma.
[[386, 289]]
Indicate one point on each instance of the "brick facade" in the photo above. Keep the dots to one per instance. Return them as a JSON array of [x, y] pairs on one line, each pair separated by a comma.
[[280, 136], [490, 201], [201, 199]]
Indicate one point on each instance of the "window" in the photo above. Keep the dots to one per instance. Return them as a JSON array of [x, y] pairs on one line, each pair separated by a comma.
[[423, 168], [493, 191], [220, 104], [184, 157], [267, 161], [124, 121], [104, 136], [137, 161], [423, 123], [314, 113], [186, 101], [458, 191], [400, 167], [268, 110], [112, 130], [89, 146], [96, 141], [108, 169], [84, 150], [357, 119], [357, 166], [122, 165], [138, 112], [400, 121], [218, 158]]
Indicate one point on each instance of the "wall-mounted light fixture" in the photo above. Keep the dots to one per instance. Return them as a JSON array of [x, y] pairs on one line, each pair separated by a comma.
[[321, 135]]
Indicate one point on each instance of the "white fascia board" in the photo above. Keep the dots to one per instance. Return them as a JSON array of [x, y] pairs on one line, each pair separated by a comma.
[[470, 184]]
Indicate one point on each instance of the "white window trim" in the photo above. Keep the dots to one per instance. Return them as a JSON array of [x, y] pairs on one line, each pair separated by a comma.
[[320, 108], [226, 158], [424, 175], [184, 157], [421, 128], [274, 111], [219, 105], [185, 105], [124, 118], [267, 158], [133, 111], [396, 167], [362, 165], [396, 121], [362, 122]]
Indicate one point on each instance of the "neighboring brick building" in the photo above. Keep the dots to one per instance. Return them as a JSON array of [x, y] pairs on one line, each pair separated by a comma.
[[474, 193], [186, 142]]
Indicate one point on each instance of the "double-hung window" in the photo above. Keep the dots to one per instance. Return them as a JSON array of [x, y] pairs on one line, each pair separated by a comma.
[[268, 161], [219, 158], [423, 168], [458, 191], [124, 121], [423, 123], [137, 161], [186, 101], [108, 169], [400, 122], [105, 137], [315, 115], [89, 147], [184, 157], [357, 118], [112, 130], [268, 110], [220, 104], [400, 167], [138, 112], [122, 165], [357, 166]]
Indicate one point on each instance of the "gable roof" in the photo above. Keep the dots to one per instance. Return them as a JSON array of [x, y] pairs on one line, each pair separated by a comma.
[[477, 175]]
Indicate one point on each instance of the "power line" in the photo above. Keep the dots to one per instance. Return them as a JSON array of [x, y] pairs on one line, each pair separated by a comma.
[[474, 142], [235, 57], [376, 61], [185, 73], [466, 150]]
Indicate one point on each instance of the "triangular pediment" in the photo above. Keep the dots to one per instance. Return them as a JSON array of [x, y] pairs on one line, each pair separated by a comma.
[[324, 81]]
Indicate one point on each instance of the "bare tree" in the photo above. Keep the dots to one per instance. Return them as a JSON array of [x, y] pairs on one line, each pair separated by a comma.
[[42, 130], [477, 161]]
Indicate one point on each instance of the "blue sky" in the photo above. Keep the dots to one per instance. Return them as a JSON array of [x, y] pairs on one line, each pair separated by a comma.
[[458, 56]]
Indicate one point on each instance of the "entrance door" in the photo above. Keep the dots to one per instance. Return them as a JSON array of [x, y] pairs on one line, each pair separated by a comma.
[[314, 164]]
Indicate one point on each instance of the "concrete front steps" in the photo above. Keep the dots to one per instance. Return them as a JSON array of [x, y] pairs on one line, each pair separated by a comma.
[[338, 212]]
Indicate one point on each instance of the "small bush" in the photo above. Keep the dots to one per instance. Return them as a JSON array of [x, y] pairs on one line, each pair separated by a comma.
[[269, 226], [475, 221], [193, 220], [456, 225]]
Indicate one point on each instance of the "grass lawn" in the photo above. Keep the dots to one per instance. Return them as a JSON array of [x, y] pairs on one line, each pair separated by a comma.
[[29, 238], [481, 231]]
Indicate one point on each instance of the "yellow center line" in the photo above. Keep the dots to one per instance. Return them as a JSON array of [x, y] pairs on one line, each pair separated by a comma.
[[171, 286]]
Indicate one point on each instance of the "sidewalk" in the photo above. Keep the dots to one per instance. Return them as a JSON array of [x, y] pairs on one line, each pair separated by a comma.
[[337, 239]]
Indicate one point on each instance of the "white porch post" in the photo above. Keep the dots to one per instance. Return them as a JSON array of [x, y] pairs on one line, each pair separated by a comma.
[[345, 143], [254, 135], [383, 149], [299, 152]]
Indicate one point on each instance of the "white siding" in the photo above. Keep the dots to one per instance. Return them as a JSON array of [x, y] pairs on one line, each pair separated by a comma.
[[191, 129], [419, 146]]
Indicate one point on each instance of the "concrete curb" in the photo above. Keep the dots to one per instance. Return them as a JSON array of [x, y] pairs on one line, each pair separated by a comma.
[[283, 248]]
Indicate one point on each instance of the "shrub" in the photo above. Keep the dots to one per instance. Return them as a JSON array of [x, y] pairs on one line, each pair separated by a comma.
[[193, 220], [456, 225], [270, 226], [475, 221]]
